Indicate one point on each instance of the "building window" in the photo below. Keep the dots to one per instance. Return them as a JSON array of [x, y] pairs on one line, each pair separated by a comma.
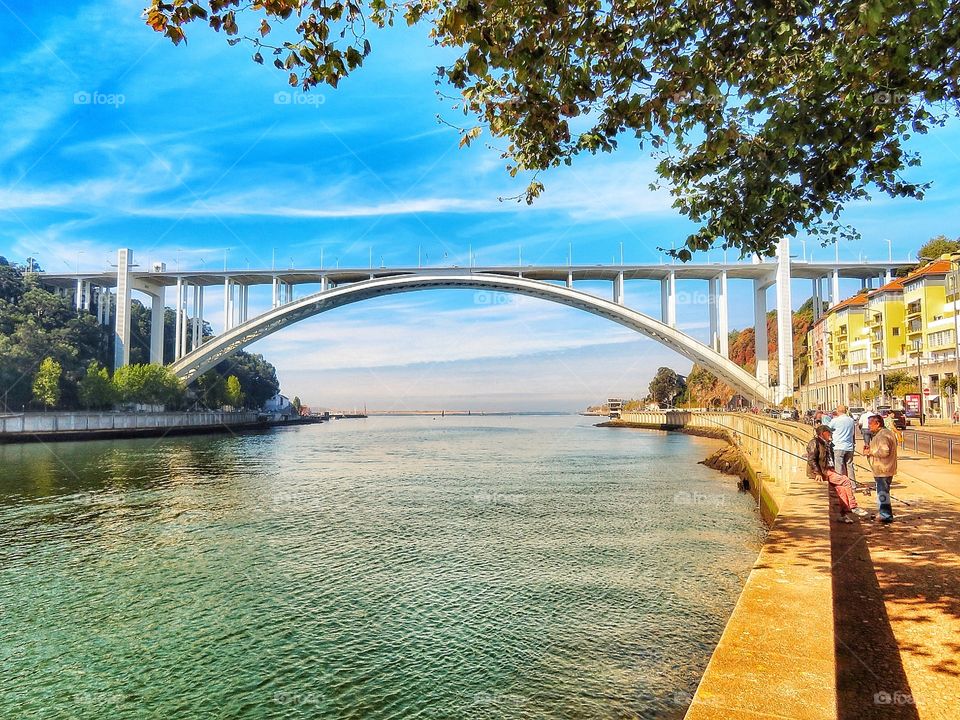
[[941, 338], [896, 332]]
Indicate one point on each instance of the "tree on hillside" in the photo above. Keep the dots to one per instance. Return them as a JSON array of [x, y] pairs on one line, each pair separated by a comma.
[[258, 378], [46, 385], [297, 405], [764, 118], [36, 324], [666, 386], [149, 385], [96, 388], [233, 393], [937, 246]]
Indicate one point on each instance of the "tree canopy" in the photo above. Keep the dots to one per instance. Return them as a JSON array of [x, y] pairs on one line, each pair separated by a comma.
[[937, 246], [666, 386], [765, 119]]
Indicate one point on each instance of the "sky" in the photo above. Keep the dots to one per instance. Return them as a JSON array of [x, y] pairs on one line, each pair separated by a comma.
[[194, 155]]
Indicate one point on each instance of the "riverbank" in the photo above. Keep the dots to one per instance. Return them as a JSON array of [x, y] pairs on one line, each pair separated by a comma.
[[75, 426], [837, 620]]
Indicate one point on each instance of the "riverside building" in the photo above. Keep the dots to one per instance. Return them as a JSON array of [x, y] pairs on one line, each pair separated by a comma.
[[908, 325]]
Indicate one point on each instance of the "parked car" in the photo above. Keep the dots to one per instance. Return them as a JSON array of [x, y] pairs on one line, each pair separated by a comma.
[[787, 414], [895, 417], [856, 412]]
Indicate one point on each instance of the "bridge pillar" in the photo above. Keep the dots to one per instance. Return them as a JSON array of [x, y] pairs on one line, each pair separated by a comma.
[[157, 312], [244, 302], [888, 276], [196, 326], [834, 287], [784, 321], [177, 324], [184, 319], [324, 284], [668, 300], [618, 289], [817, 301], [78, 297], [121, 334], [227, 304], [570, 279], [760, 330], [276, 289], [719, 314]]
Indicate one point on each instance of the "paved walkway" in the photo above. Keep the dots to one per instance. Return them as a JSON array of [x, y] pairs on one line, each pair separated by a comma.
[[848, 621]]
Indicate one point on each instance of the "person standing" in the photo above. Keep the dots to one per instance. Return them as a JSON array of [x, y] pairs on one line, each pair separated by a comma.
[[843, 427], [882, 453], [820, 465]]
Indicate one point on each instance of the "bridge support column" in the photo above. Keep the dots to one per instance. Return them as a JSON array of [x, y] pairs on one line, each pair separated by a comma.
[[184, 319], [227, 304], [784, 322], [177, 320], [244, 302], [888, 276], [324, 284], [276, 289], [668, 300], [196, 326], [157, 312], [817, 301], [719, 315], [121, 348], [760, 330], [618, 289], [78, 297], [570, 279], [834, 287]]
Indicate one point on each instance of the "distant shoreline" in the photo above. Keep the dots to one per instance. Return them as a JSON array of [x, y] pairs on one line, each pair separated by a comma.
[[459, 413]]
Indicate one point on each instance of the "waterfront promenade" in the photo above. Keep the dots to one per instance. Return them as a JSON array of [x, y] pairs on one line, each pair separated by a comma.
[[841, 621]]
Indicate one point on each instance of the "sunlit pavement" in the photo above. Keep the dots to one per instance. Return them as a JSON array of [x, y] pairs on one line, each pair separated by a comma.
[[849, 621]]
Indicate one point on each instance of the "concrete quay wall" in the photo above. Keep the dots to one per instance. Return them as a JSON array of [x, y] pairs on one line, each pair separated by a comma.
[[28, 427]]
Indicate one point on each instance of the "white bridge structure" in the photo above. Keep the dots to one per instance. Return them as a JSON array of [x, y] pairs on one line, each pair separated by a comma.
[[109, 295]]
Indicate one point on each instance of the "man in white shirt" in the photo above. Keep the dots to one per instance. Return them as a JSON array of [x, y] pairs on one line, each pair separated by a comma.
[[843, 427]]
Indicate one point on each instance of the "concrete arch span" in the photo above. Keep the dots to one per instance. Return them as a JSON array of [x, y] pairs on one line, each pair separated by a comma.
[[195, 363]]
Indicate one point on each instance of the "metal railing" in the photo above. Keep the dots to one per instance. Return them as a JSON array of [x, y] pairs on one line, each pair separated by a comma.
[[936, 446]]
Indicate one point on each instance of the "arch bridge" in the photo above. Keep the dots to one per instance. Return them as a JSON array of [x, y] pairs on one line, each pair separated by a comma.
[[109, 294]]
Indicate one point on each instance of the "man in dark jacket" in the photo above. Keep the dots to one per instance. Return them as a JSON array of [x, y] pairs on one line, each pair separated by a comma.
[[820, 453], [820, 465]]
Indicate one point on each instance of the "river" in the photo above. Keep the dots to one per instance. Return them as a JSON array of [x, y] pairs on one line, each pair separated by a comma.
[[394, 567]]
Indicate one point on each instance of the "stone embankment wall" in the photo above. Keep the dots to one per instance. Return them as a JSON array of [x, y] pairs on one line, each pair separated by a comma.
[[769, 455], [17, 428]]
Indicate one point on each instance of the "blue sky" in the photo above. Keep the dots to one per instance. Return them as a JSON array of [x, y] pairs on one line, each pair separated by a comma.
[[114, 138]]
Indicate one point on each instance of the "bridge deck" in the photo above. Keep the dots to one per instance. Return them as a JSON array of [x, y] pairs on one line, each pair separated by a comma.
[[556, 273]]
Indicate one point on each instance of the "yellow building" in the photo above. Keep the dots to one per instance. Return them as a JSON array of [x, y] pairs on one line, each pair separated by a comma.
[[908, 324], [929, 325], [885, 325]]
